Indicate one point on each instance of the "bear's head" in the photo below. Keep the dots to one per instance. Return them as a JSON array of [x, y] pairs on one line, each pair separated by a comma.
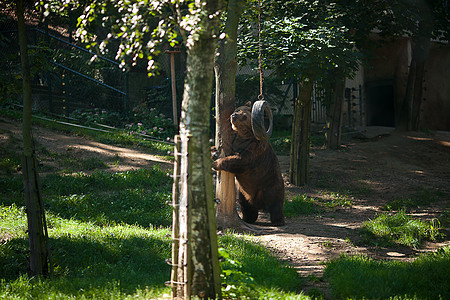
[[241, 120]]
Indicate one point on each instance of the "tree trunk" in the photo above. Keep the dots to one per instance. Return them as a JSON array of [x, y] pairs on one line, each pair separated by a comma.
[[301, 135], [37, 227], [409, 114], [225, 70], [201, 276], [403, 119], [421, 51], [335, 121]]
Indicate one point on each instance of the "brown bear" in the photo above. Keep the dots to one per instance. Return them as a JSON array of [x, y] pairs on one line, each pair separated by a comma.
[[256, 168]]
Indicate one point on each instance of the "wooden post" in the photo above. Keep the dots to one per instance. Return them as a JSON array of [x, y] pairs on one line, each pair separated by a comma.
[[174, 86], [37, 228], [335, 122], [305, 138], [226, 194], [301, 131], [176, 288]]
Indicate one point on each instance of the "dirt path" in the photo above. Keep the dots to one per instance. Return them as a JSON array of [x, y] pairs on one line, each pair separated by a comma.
[[51, 144], [370, 172]]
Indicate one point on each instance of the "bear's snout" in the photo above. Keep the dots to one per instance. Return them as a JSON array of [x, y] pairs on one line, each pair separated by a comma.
[[238, 117]]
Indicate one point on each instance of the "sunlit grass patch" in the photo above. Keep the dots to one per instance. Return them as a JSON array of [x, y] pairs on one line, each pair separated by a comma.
[[334, 199], [305, 205], [300, 205], [130, 197], [400, 229]]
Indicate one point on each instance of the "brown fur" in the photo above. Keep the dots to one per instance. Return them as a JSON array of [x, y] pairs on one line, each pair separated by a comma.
[[256, 168]]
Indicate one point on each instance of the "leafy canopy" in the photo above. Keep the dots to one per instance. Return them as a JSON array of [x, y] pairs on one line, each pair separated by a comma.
[[303, 39], [141, 30]]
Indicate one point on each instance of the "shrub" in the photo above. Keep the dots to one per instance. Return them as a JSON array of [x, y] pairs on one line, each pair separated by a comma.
[[97, 115], [149, 121]]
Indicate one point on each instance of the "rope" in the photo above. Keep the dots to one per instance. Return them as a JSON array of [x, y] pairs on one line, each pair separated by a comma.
[[261, 78]]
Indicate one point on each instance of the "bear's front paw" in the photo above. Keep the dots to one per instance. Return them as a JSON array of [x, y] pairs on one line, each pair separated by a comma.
[[215, 165]]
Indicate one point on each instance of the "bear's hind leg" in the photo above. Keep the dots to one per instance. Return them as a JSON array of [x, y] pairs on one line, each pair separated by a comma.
[[276, 214], [249, 213]]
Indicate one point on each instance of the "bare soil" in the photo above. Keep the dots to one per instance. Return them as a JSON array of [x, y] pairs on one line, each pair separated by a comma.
[[380, 166]]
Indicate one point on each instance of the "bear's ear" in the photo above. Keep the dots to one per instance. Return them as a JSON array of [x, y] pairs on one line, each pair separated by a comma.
[[249, 104]]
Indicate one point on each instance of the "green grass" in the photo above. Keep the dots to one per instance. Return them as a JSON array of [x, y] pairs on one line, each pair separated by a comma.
[[260, 274], [300, 205], [89, 261], [333, 200], [399, 229], [281, 141], [9, 165], [304, 205], [360, 277], [131, 197], [109, 239]]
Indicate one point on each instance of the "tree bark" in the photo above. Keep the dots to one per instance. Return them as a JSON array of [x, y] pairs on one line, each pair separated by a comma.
[[403, 119], [335, 121], [201, 274], [301, 135], [421, 54], [225, 71], [37, 228], [409, 115]]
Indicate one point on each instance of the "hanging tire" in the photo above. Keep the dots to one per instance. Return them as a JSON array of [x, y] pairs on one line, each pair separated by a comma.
[[261, 114]]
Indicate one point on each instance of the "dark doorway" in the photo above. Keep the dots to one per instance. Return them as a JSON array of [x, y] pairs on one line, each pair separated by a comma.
[[380, 104]]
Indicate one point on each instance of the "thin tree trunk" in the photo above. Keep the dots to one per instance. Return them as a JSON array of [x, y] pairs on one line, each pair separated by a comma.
[[403, 120], [37, 228], [301, 135], [423, 46], [335, 122], [225, 70], [201, 275], [296, 128]]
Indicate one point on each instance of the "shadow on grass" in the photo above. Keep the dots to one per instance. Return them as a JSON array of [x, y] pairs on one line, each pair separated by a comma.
[[104, 264], [360, 277], [82, 264]]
